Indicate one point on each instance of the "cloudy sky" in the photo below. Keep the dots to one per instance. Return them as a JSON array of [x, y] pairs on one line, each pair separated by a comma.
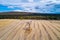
[[38, 6]]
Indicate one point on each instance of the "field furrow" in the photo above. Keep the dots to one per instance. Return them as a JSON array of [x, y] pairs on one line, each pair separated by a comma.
[[15, 29]]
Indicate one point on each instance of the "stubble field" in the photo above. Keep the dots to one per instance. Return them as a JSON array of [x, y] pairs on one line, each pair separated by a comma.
[[15, 29]]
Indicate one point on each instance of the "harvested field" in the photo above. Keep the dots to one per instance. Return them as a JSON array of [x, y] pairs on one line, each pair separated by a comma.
[[15, 29]]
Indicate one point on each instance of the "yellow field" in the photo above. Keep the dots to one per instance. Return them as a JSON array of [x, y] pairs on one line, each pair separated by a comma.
[[15, 29]]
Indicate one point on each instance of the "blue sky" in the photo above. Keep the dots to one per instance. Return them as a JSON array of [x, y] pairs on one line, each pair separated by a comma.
[[38, 6]]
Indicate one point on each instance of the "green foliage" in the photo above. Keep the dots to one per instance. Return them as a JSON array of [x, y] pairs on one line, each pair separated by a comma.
[[28, 17]]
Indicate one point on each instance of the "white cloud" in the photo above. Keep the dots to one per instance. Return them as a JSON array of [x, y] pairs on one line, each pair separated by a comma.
[[10, 6], [31, 0], [17, 10], [29, 5]]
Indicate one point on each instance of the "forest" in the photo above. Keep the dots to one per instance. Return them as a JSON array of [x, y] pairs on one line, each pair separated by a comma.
[[26, 15]]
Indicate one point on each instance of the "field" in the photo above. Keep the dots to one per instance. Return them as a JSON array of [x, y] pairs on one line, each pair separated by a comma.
[[16, 29]]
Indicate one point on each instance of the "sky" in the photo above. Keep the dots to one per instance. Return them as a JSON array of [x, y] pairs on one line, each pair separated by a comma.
[[37, 6]]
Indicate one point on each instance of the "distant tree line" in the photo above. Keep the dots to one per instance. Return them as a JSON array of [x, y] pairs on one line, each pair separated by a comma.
[[30, 17]]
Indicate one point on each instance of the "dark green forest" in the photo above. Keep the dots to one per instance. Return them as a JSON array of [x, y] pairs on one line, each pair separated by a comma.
[[23, 15]]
